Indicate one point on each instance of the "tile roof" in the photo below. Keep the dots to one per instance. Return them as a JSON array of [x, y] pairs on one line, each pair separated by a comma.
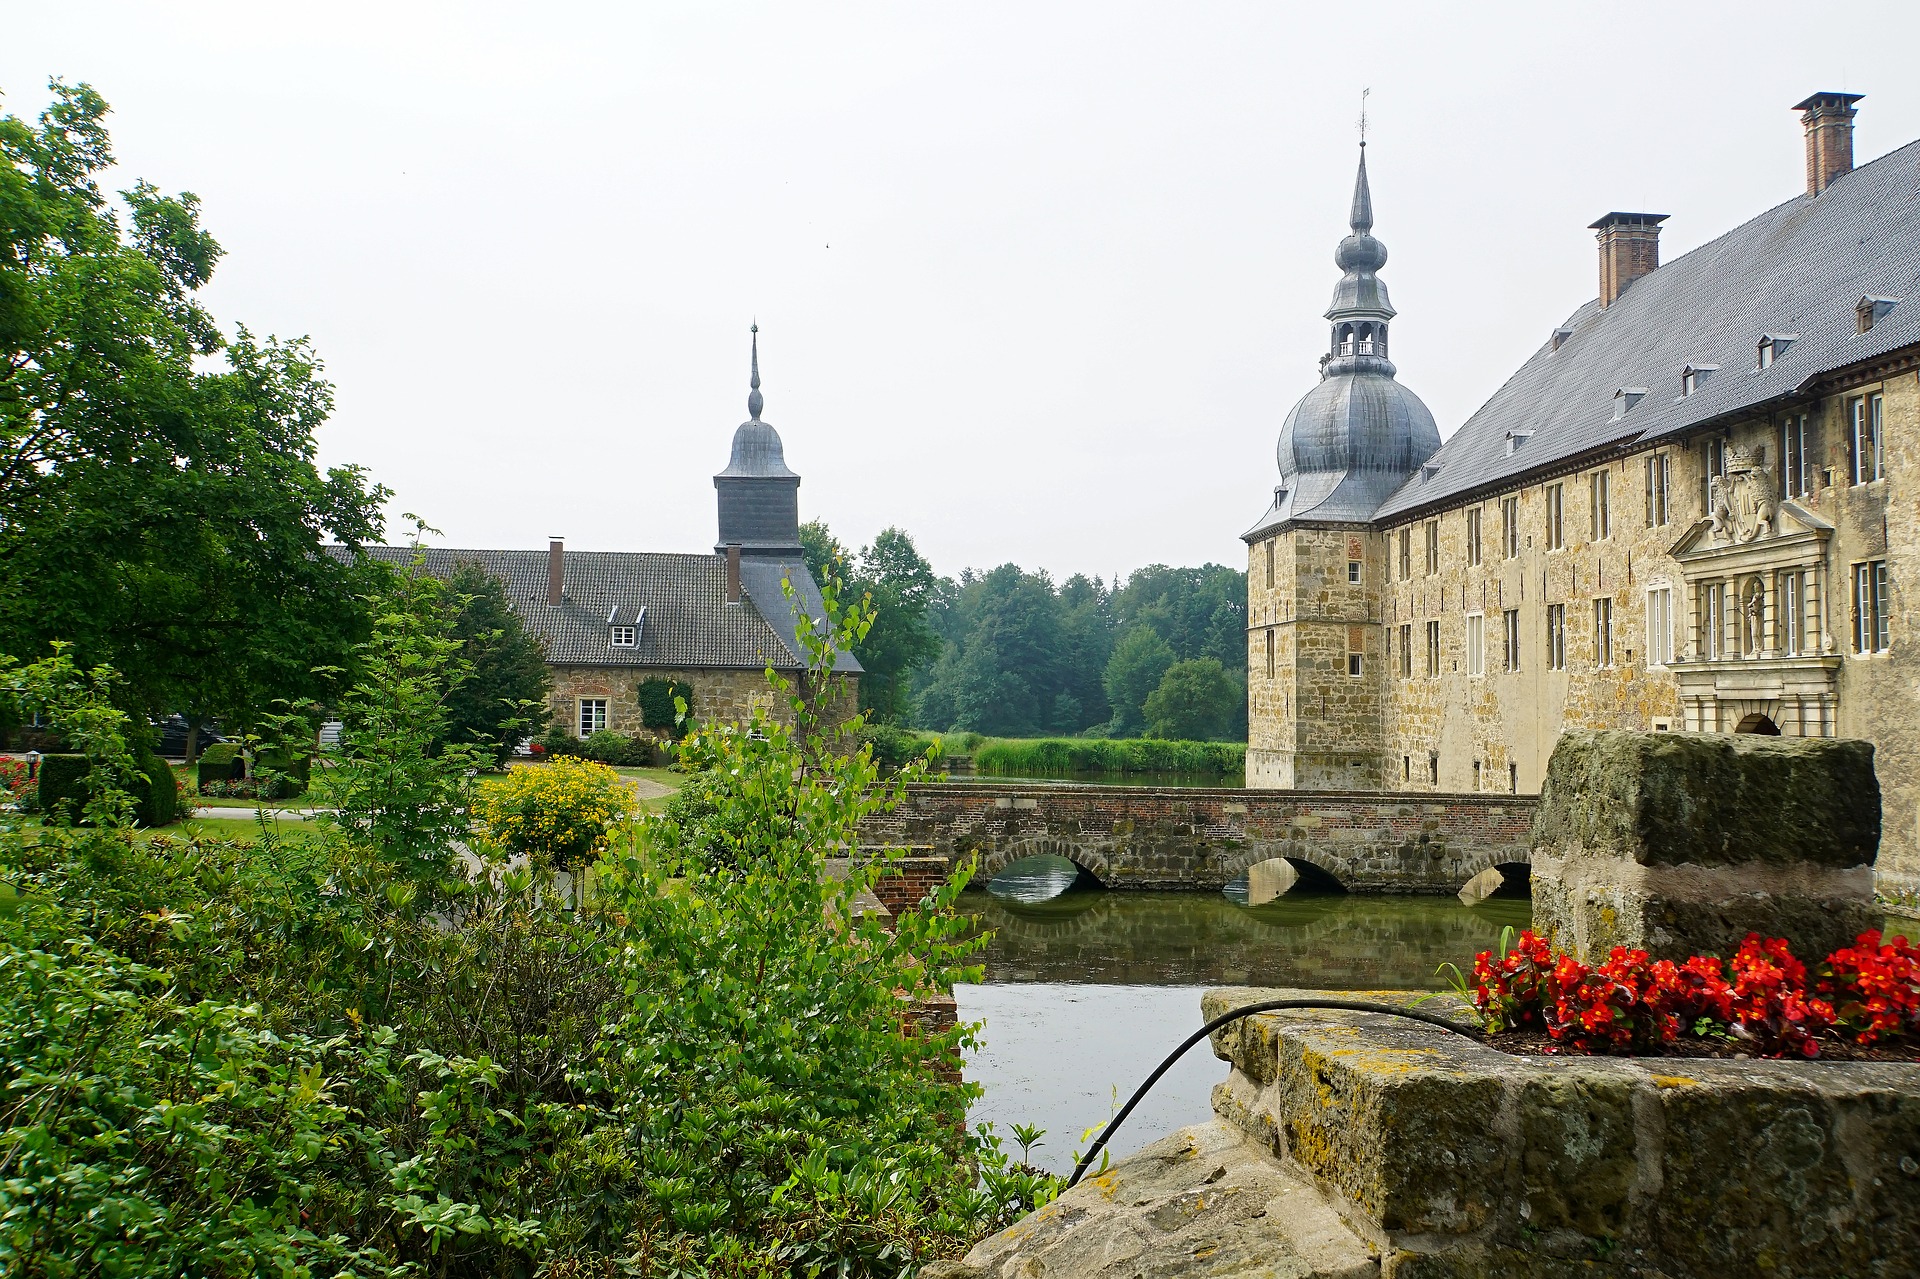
[[1798, 268], [687, 621]]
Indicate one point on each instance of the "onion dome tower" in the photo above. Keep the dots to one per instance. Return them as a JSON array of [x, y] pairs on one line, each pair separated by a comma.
[[759, 497], [1358, 436]]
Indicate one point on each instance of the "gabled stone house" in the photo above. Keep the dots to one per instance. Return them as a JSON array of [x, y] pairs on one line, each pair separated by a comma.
[[1692, 509], [611, 620]]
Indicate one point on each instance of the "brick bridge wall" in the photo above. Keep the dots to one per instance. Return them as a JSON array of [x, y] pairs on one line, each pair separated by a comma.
[[1179, 837]]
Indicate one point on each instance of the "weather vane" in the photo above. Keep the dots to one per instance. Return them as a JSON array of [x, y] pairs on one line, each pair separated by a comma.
[[1363, 115]]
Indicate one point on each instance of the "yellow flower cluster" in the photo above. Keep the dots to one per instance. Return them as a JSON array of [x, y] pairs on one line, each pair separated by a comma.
[[559, 813]]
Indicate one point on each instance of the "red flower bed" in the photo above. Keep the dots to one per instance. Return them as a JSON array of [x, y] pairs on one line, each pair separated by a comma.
[[1760, 1000]]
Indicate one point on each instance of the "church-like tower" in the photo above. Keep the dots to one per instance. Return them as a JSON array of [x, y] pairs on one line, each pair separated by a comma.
[[759, 497], [1316, 569]]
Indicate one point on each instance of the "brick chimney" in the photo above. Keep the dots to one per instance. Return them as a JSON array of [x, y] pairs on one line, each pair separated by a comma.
[[1629, 249], [556, 570], [733, 572], [1829, 121]]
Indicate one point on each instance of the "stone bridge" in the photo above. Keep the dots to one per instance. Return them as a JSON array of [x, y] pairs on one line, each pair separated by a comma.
[[1187, 837]]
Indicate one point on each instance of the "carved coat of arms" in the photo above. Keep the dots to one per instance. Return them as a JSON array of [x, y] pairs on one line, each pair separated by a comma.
[[1741, 504]]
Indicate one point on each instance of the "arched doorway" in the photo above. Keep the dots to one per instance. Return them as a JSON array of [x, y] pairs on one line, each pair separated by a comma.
[[1758, 723]]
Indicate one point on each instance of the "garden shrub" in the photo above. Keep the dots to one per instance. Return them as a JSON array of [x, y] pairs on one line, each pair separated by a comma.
[[609, 747], [657, 710], [894, 748], [63, 787], [220, 762], [21, 788], [1053, 756], [560, 815], [157, 801]]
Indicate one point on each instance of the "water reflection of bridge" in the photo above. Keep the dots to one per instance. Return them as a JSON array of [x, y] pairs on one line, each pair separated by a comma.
[[1172, 938]]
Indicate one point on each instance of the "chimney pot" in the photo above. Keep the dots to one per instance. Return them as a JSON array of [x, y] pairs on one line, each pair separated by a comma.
[[1629, 249], [733, 572], [1829, 121], [556, 570]]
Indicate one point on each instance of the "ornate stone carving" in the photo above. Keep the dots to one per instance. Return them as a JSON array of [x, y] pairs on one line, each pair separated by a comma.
[[1741, 505]]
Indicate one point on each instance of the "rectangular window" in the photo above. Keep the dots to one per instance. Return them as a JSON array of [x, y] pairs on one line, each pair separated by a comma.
[[1510, 527], [1600, 518], [1433, 768], [1406, 649], [1473, 536], [1556, 637], [1353, 570], [1713, 619], [1406, 553], [621, 636], [1433, 547], [1406, 768], [1353, 665], [1793, 456], [1863, 438], [1433, 648], [1269, 652], [1270, 564], [1556, 517], [1870, 607], [1659, 479], [1790, 594], [1510, 656], [1659, 626], [593, 715], [1476, 634], [1603, 632]]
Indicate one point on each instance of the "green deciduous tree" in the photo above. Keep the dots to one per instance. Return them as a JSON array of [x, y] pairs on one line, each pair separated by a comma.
[[160, 506], [504, 697], [1195, 701], [1140, 661], [899, 586]]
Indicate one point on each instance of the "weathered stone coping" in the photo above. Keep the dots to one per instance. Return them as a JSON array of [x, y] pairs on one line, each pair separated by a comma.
[[1433, 1144], [1352, 1144]]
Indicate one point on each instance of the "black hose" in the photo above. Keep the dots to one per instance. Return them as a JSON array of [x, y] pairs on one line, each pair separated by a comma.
[[1265, 1006]]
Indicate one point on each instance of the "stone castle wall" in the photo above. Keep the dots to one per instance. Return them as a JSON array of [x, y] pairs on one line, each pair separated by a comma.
[[1494, 731], [1178, 837]]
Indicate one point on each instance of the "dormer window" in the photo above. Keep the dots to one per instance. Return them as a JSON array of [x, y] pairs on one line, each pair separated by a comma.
[[1869, 311], [623, 636], [1625, 398], [1560, 337], [1695, 376], [1515, 439], [1773, 346]]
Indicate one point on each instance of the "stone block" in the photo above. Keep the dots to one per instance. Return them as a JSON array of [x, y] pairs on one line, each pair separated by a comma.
[[1683, 843]]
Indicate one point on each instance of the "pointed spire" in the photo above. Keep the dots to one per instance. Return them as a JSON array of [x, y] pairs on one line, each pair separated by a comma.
[[1361, 216], [755, 401]]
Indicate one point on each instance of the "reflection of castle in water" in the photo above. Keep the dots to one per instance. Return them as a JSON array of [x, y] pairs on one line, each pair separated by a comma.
[[1338, 941]]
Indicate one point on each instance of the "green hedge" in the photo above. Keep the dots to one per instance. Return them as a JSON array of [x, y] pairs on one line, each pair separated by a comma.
[[63, 789], [220, 762], [1053, 756], [657, 710]]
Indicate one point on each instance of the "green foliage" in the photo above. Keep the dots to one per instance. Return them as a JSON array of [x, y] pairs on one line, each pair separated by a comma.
[[504, 697], [560, 815], [1063, 756], [158, 478], [609, 747], [894, 748], [660, 703], [63, 787], [398, 789], [217, 764], [1196, 700], [79, 705], [343, 1054], [899, 587], [1140, 661], [156, 793]]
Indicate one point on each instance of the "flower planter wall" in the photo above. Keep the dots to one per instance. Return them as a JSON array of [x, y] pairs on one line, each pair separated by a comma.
[[1683, 843]]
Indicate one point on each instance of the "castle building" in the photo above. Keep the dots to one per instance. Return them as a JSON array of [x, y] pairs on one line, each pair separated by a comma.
[[1692, 509], [612, 620]]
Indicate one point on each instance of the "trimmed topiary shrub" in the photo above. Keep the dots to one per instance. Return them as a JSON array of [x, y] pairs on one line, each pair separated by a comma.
[[220, 762], [158, 802], [656, 697], [63, 787]]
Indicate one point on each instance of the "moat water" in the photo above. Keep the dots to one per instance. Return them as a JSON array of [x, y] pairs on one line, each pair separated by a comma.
[[1086, 990]]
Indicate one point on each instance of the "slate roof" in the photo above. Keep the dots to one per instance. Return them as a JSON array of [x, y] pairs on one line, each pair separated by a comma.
[[1798, 268], [687, 621]]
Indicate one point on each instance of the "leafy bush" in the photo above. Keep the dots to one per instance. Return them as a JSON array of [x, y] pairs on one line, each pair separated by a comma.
[[1055, 756], [559, 814], [1196, 701], [156, 793], [894, 748], [21, 788], [610, 747], [657, 709], [66, 786], [63, 787], [220, 762]]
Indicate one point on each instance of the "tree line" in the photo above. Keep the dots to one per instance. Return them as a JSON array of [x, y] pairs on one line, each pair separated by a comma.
[[1010, 653]]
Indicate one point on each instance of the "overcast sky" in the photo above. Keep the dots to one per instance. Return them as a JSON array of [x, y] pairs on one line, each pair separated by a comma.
[[1036, 282]]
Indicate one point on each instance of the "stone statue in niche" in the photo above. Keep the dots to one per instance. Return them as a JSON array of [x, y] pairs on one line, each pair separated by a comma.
[[1753, 604]]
